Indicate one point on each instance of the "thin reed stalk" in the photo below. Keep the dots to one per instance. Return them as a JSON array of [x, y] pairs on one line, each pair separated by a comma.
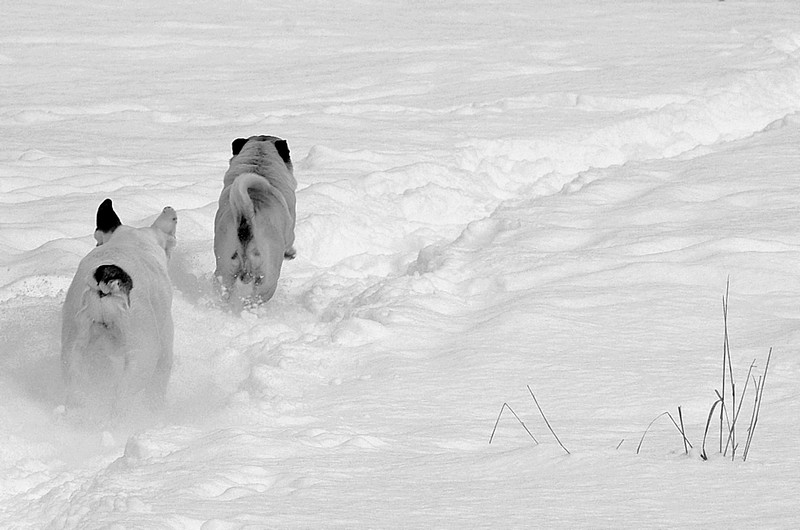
[[680, 430], [703, 454], [547, 422], [507, 406], [683, 432], [757, 407], [731, 435]]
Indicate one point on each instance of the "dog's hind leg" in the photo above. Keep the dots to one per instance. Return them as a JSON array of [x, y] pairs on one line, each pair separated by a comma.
[[224, 283], [156, 390], [75, 346]]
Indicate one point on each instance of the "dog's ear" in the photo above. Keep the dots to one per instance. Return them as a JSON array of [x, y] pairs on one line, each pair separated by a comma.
[[107, 218], [237, 145], [106, 222], [165, 225], [283, 150]]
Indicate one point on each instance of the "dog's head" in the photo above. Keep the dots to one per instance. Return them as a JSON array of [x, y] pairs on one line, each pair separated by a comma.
[[279, 145], [163, 227]]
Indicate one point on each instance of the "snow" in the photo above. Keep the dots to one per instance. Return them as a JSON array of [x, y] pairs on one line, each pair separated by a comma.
[[491, 195]]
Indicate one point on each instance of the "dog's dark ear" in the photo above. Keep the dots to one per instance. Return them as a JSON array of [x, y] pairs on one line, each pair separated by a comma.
[[107, 219], [283, 150], [107, 222], [237, 145]]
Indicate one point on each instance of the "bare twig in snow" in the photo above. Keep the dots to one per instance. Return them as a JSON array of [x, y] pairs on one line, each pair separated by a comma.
[[683, 432], [726, 363], [672, 419], [731, 434], [759, 399], [507, 406], [547, 422], [703, 454]]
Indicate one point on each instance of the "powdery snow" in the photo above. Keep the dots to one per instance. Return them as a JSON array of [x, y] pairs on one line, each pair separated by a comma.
[[490, 196]]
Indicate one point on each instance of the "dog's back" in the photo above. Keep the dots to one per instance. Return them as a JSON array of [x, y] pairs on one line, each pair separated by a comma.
[[254, 225], [116, 320], [268, 157]]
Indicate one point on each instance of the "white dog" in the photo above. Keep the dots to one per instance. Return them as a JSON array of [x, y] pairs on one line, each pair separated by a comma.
[[254, 225], [116, 335]]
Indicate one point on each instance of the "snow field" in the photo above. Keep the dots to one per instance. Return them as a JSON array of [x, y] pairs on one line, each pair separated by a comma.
[[490, 197]]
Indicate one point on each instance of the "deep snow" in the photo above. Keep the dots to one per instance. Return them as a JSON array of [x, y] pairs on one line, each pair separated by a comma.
[[490, 196]]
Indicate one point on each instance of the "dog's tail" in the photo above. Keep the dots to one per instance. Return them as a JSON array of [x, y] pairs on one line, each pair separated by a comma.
[[249, 193], [108, 297]]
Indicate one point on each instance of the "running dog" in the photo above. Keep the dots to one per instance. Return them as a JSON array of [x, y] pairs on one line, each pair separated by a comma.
[[116, 335], [254, 224]]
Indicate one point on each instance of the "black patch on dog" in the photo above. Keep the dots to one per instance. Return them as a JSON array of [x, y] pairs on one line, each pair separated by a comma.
[[283, 150], [237, 145], [109, 273], [107, 219], [244, 232]]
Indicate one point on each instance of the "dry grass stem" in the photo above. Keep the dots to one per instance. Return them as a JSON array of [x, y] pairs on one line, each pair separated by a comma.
[[507, 406], [757, 407], [675, 423], [547, 422]]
